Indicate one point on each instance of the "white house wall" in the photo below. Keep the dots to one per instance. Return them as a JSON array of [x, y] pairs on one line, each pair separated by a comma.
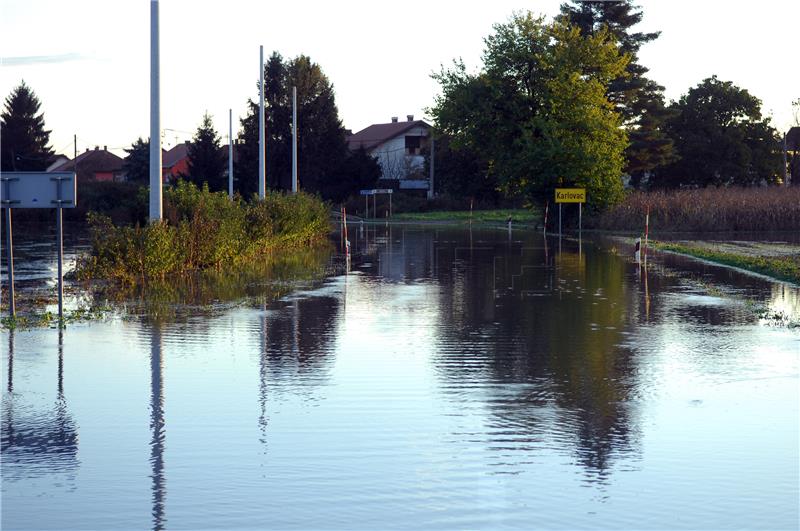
[[391, 155]]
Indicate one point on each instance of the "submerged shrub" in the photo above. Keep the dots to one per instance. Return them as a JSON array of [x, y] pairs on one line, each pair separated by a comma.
[[202, 230]]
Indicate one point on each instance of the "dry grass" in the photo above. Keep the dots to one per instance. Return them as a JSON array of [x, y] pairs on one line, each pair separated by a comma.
[[707, 210]]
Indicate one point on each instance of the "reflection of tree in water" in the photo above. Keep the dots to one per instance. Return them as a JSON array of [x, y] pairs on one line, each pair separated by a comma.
[[185, 296], [38, 442], [297, 344], [553, 330]]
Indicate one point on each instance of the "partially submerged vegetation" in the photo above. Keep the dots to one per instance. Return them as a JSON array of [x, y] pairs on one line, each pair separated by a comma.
[[782, 267], [707, 210], [201, 231]]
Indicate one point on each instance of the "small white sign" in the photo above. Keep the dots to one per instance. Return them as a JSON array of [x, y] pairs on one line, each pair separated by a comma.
[[26, 189]]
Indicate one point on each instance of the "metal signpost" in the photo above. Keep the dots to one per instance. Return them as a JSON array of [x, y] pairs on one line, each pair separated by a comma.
[[374, 192], [570, 195], [37, 190]]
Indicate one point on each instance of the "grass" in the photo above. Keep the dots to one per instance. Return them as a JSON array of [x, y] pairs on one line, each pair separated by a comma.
[[782, 268], [477, 216], [707, 210], [202, 231]]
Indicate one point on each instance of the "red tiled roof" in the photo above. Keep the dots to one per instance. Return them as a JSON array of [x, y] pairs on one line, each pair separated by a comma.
[[376, 134], [174, 155], [94, 160]]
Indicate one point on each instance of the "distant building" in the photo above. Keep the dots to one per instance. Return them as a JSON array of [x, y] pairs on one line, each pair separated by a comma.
[[175, 162], [57, 161], [94, 165], [398, 147]]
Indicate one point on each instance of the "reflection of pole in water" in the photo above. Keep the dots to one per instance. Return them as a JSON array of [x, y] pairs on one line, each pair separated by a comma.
[[262, 376], [296, 326], [158, 428], [646, 295], [10, 360], [60, 363]]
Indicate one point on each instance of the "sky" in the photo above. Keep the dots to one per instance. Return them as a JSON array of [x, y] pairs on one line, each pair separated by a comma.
[[89, 60]]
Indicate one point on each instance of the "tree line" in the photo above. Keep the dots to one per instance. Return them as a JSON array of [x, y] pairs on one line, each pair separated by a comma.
[[567, 102], [561, 102]]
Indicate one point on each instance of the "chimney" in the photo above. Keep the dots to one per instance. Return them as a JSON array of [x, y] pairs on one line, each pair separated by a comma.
[[96, 148], [394, 119], [410, 117], [105, 148]]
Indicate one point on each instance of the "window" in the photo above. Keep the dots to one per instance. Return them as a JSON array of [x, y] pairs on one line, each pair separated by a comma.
[[413, 144]]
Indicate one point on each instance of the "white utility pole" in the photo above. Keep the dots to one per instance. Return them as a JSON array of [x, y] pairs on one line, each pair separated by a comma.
[[155, 117], [230, 153], [294, 140], [430, 190], [262, 170]]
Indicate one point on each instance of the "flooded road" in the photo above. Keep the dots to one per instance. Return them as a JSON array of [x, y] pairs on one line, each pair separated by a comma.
[[454, 378]]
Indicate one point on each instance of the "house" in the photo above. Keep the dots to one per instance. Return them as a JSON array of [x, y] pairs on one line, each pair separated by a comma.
[[94, 165], [57, 161], [398, 148], [175, 162]]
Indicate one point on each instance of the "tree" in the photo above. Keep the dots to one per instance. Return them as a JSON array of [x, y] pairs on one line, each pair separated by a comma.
[[324, 164], [537, 113], [24, 138], [722, 139], [462, 173], [206, 162], [137, 161], [638, 99]]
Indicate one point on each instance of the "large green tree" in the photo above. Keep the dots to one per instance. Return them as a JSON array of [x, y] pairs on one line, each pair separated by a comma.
[[537, 112], [206, 162], [324, 164], [24, 145], [722, 139], [137, 161], [638, 99]]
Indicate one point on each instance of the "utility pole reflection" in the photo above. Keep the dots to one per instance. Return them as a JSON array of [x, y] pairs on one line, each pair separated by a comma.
[[158, 428]]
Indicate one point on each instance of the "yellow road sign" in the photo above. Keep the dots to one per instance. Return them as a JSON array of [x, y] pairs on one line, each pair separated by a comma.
[[570, 195]]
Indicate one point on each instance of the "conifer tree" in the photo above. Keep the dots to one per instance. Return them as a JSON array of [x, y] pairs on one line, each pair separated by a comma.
[[24, 138], [137, 161], [206, 161], [638, 99]]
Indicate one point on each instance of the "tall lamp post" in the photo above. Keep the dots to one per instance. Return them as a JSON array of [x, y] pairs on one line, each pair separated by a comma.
[[155, 117]]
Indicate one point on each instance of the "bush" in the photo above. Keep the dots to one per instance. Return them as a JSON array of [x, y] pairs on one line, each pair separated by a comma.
[[201, 230]]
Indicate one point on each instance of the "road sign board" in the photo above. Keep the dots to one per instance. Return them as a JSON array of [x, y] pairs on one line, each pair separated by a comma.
[[37, 190], [570, 195]]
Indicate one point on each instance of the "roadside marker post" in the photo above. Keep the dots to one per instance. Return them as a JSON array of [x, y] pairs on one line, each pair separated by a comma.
[[35, 190], [569, 195]]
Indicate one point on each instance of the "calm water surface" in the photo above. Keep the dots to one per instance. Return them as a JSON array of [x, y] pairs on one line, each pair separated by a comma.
[[453, 379]]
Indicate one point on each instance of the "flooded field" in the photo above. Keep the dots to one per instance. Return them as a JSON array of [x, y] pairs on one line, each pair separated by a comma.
[[453, 378]]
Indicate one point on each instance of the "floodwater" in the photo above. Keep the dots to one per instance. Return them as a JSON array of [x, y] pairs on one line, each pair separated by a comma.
[[451, 379]]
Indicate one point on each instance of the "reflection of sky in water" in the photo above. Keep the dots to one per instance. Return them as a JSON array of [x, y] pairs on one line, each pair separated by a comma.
[[454, 379]]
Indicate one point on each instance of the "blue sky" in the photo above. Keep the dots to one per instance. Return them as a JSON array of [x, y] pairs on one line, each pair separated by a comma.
[[88, 60]]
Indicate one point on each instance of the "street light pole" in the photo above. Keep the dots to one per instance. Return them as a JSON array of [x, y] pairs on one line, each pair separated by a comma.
[[155, 117], [262, 171]]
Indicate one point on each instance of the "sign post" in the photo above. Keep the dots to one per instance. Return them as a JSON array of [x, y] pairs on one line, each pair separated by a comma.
[[36, 190], [374, 193], [570, 195]]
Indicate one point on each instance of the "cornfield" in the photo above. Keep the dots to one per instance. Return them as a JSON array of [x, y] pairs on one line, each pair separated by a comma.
[[708, 209]]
